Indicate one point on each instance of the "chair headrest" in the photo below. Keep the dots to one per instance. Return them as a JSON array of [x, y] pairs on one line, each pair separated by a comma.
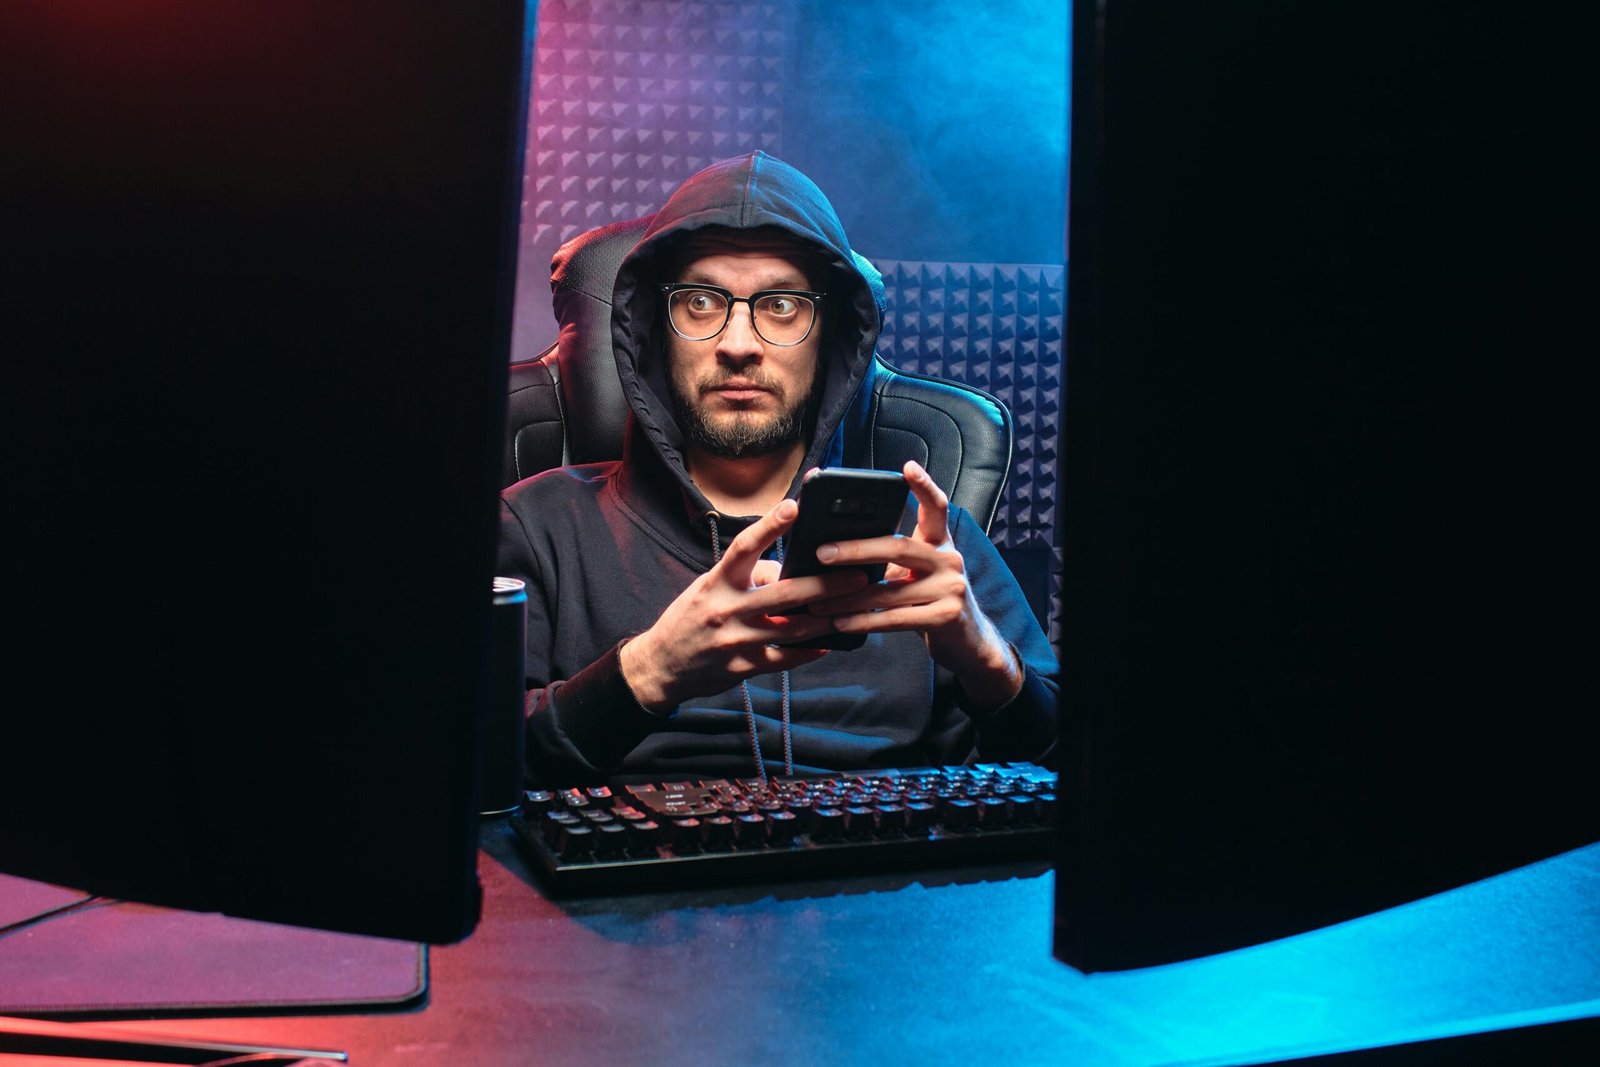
[[582, 274]]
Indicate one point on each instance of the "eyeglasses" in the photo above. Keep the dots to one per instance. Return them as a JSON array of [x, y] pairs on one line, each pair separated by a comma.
[[781, 317]]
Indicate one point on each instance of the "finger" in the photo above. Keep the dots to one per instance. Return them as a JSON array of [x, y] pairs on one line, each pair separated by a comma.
[[747, 637], [933, 507], [793, 594], [894, 595], [919, 617], [766, 572], [782, 631], [772, 658], [744, 551], [907, 552]]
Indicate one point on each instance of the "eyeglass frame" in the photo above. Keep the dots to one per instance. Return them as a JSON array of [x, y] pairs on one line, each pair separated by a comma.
[[669, 288]]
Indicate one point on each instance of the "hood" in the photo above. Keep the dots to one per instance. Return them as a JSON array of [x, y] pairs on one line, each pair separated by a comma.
[[742, 193]]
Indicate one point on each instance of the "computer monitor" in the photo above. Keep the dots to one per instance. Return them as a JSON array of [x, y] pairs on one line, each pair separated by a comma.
[[1328, 553], [258, 259]]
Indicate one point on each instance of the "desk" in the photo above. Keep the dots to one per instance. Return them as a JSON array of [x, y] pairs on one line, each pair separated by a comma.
[[951, 969]]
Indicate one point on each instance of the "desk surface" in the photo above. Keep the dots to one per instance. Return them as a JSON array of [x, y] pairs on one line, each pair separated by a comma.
[[951, 969]]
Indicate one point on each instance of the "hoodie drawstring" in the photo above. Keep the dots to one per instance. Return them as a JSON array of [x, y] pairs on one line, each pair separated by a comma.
[[744, 687]]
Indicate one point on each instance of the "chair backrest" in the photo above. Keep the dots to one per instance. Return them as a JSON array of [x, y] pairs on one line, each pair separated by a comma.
[[566, 404]]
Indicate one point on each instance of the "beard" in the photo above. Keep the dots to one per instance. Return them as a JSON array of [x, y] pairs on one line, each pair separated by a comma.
[[741, 433]]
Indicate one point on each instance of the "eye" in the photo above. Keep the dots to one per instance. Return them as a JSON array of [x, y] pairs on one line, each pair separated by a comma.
[[780, 307], [700, 302]]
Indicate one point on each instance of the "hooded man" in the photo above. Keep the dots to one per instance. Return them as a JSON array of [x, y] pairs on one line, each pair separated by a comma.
[[658, 630]]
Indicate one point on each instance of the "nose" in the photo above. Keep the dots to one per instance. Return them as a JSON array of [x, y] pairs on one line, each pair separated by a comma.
[[739, 340]]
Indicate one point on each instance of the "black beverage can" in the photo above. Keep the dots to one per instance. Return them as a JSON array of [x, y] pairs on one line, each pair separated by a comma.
[[502, 745]]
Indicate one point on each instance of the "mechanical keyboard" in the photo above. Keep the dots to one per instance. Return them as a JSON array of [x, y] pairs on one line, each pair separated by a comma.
[[624, 838]]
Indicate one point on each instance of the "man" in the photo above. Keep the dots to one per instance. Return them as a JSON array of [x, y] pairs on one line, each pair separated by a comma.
[[658, 630]]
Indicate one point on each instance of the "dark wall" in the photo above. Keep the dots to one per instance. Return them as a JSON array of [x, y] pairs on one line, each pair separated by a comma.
[[941, 126]]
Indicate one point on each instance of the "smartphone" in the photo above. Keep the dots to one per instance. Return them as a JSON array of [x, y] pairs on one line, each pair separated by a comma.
[[843, 504]]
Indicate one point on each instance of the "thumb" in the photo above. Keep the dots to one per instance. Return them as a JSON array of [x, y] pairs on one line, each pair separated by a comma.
[[765, 572]]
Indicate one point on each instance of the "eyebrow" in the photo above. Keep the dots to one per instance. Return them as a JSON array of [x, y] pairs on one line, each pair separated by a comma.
[[783, 280]]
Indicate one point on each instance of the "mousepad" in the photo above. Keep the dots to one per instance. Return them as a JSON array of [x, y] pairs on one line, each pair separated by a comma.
[[83, 956]]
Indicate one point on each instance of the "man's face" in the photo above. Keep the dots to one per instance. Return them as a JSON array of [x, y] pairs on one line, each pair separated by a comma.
[[736, 394]]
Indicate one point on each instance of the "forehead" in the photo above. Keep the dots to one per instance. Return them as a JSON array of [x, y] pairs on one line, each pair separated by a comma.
[[746, 272], [746, 262]]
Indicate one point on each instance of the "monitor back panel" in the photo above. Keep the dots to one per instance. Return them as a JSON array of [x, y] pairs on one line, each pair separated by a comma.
[[1327, 541], [257, 259]]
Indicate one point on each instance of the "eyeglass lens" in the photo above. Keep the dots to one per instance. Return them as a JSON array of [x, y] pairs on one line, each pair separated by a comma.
[[780, 318]]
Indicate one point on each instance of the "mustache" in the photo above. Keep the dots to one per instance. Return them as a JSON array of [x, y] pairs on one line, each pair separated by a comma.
[[752, 378]]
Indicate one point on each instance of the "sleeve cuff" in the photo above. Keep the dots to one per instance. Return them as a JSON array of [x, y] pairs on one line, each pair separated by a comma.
[[1026, 724], [600, 715]]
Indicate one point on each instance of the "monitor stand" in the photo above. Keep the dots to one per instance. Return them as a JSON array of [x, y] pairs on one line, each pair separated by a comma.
[[34, 1037]]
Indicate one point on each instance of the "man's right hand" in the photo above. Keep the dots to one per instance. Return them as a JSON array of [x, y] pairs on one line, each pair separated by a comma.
[[727, 625]]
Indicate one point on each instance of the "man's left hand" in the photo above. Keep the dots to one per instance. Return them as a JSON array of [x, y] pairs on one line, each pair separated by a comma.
[[925, 589]]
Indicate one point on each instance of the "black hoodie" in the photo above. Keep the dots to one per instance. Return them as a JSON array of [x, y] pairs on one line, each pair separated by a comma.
[[605, 547]]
